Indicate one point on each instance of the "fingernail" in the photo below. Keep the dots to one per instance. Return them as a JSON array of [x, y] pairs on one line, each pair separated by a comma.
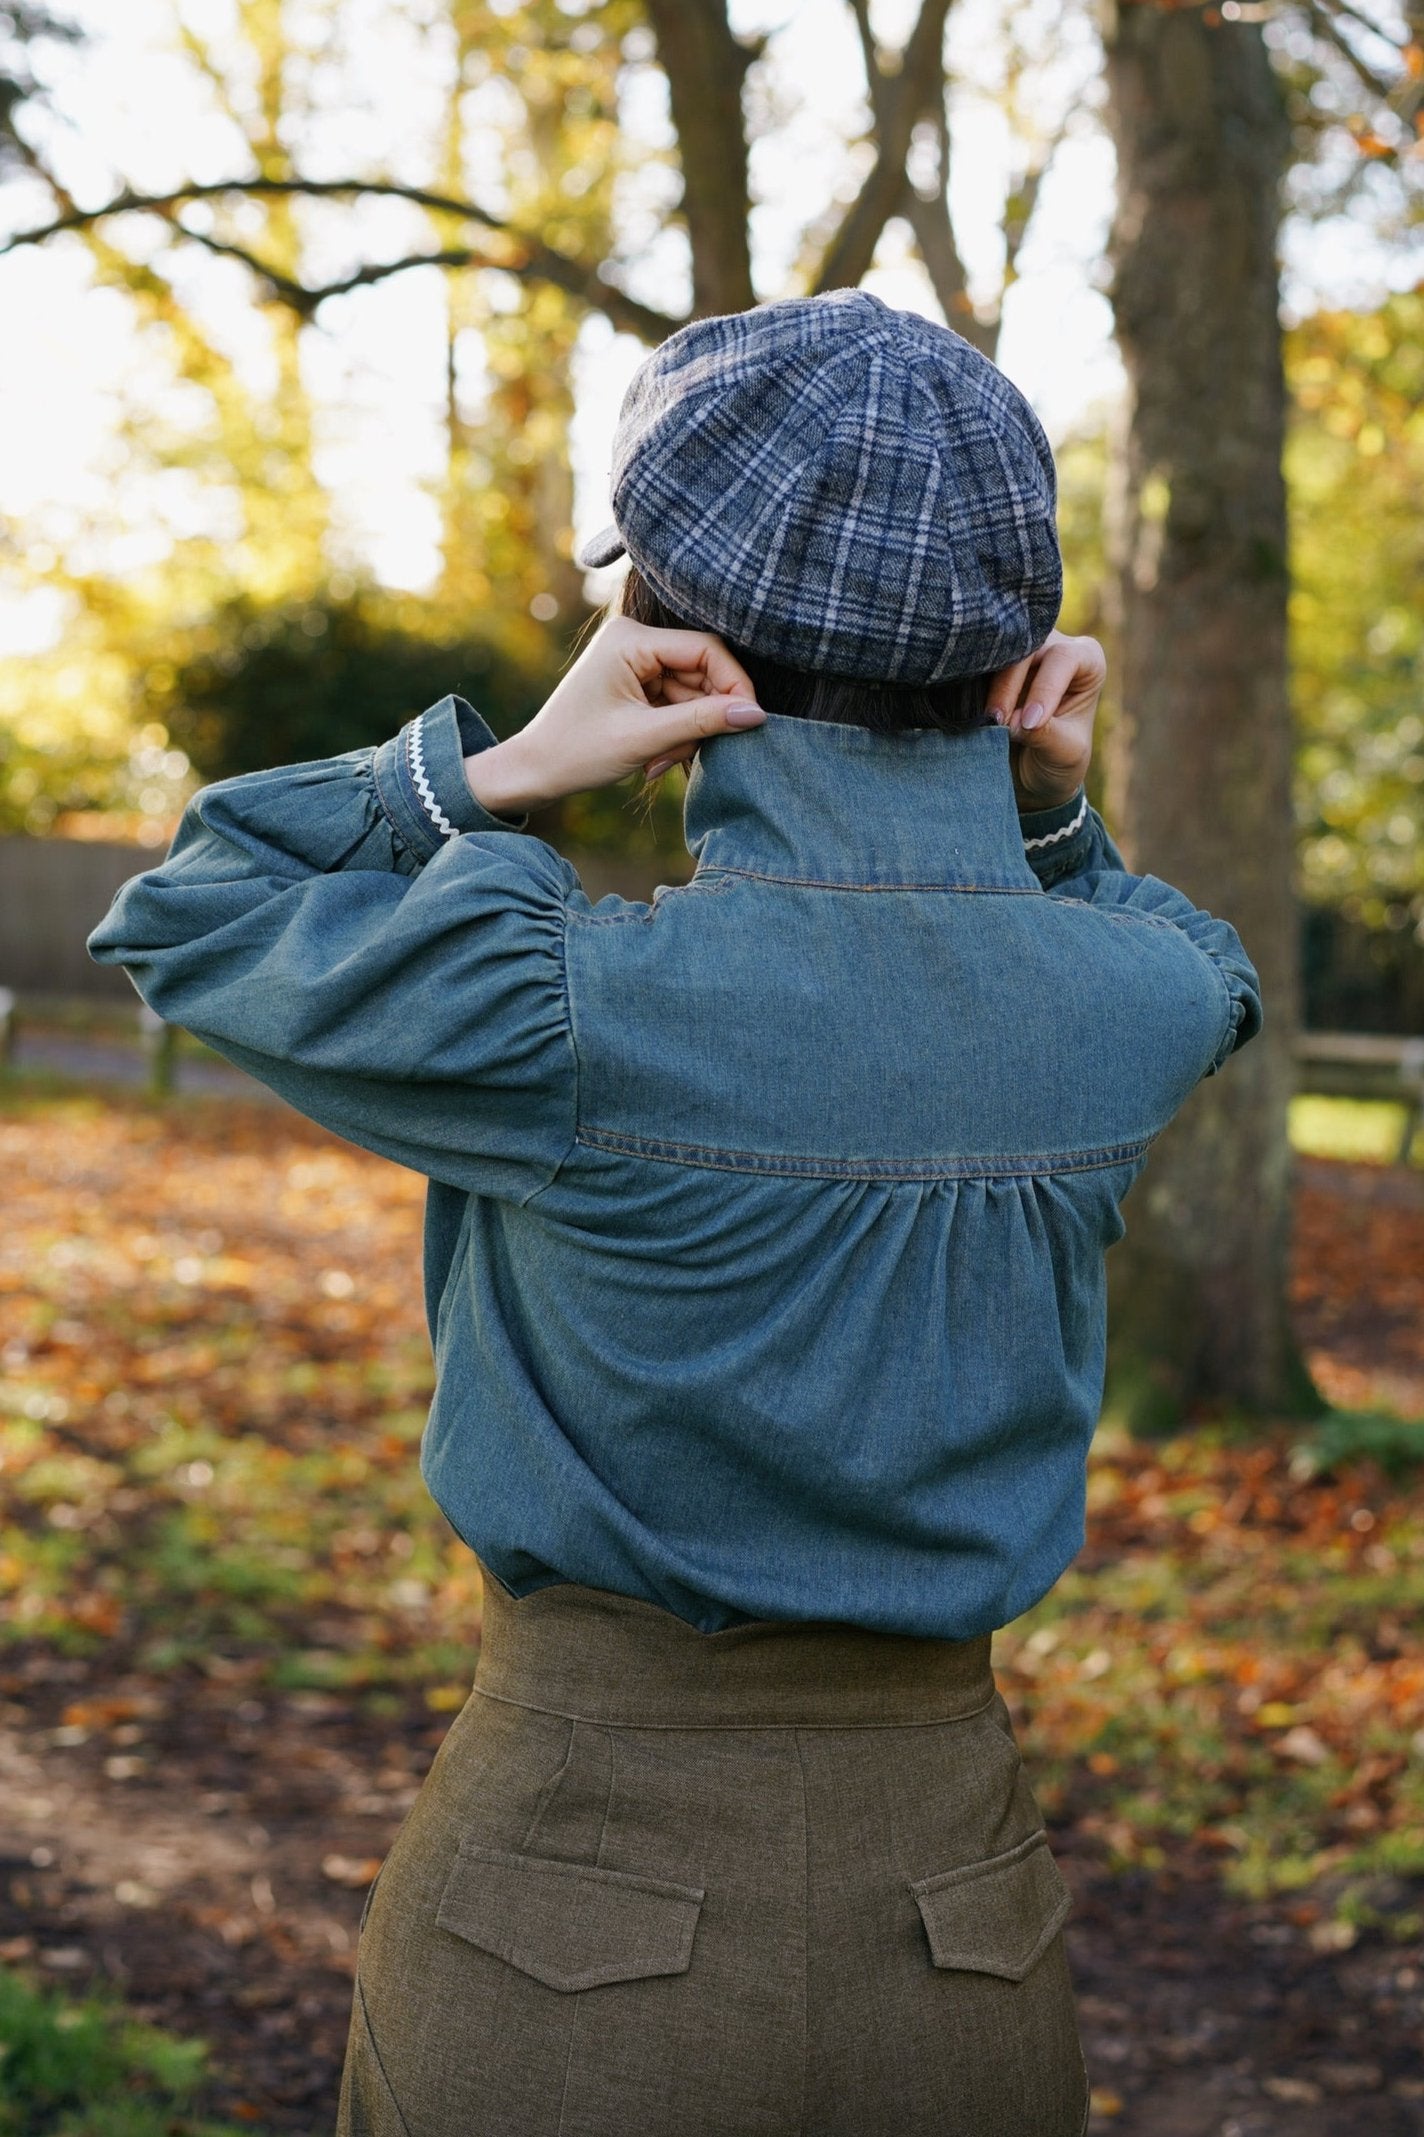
[[652, 771], [1001, 718], [743, 715], [1035, 716]]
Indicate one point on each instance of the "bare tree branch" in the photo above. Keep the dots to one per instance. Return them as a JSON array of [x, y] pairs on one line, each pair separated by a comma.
[[304, 300], [869, 54], [1401, 97], [1323, 26], [905, 96], [1353, 14], [1020, 214], [526, 255], [935, 242], [927, 215]]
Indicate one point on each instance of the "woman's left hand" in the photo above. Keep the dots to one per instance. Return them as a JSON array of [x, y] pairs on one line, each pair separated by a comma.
[[1048, 703], [635, 700]]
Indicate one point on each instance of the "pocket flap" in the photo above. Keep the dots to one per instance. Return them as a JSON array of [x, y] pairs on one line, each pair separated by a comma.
[[568, 1924], [999, 1916]]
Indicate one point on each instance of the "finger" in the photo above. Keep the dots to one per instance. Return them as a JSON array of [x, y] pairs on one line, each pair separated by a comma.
[[1051, 684], [682, 727], [663, 764], [1053, 744], [1005, 689], [685, 655]]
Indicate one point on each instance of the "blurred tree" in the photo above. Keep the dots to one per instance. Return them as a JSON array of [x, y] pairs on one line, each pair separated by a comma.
[[260, 600], [263, 683], [83, 720], [1199, 777], [1200, 761], [532, 120], [258, 88], [707, 67], [540, 87]]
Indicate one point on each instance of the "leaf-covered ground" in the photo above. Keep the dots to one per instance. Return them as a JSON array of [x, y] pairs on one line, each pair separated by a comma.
[[234, 1630]]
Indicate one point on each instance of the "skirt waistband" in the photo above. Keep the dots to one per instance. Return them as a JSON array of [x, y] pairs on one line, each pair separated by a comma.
[[613, 1659]]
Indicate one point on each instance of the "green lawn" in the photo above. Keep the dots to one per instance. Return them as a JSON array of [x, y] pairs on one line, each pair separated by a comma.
[[79, 2067], [1366, 1130]]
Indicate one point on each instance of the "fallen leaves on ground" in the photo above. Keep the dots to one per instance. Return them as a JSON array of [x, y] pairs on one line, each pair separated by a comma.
[[216, 1375], [1358, 1283], [1235, 1662]]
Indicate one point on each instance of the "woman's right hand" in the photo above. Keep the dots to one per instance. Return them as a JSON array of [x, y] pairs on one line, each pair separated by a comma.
[[636, 700], [1048, 703]]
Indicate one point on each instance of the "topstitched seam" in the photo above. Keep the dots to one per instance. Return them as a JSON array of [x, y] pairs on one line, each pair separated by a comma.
[[761, 875], [580, 1993], [688, 1728], [719, 1158], [376, 2058], [805, 1927], [548, 1791]]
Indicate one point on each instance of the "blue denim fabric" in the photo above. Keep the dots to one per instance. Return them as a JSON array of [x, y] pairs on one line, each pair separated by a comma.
[[767, 1221]]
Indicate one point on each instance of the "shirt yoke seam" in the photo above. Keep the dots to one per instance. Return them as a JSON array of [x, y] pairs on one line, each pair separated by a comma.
[[718, 1158], [991, 890]]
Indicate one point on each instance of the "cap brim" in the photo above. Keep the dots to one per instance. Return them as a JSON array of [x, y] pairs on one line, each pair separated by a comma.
[[605, 548]]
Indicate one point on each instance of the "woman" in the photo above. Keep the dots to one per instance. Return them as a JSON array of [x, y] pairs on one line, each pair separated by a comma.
[[764, 1256]]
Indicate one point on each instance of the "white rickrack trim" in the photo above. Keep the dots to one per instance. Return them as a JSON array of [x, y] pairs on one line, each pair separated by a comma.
[[1051, 838], [424, 790]]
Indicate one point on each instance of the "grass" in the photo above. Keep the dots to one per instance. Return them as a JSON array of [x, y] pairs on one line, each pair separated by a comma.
[[215, 1380], [1394, 1444], [81, 2067], [1235, 1665], [1365, 1131]]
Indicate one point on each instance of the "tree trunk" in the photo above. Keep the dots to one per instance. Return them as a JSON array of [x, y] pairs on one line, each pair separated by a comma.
[[1199, 764], [705, 67]]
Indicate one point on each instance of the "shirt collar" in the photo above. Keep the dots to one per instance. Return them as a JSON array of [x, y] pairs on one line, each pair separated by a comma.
[[809, 801]]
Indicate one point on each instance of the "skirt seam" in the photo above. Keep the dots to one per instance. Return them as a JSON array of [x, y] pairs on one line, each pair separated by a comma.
[[805, 1932], [376, 2057], [577, 2012], [688, 1728]]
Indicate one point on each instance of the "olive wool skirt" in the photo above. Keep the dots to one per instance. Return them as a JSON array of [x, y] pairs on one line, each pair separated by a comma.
[[783, 1879]]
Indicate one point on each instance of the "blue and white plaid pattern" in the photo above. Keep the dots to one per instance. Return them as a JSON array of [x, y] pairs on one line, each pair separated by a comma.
[[840, 487]]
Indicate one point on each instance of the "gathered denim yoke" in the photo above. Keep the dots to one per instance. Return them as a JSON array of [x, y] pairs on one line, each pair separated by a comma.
[[767, 1220]]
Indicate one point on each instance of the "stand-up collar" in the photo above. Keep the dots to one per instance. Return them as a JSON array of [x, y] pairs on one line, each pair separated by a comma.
[[813, 802]]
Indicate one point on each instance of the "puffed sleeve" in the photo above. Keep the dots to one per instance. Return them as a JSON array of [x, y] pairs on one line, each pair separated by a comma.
[[1073, 856], [363, 937]]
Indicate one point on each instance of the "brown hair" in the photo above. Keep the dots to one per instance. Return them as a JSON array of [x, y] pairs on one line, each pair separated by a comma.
[[885, 708]]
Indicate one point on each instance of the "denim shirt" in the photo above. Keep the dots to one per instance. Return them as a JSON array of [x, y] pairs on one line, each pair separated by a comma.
[[766, 1225]]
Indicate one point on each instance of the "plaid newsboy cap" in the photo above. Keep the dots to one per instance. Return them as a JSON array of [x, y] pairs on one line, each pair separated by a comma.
[[840, 487]]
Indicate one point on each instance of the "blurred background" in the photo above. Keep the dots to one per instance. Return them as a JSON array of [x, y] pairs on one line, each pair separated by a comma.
[[315, 316]]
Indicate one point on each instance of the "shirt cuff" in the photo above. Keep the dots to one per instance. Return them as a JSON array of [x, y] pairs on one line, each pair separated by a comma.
[[1052, 836], [421, 784]]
